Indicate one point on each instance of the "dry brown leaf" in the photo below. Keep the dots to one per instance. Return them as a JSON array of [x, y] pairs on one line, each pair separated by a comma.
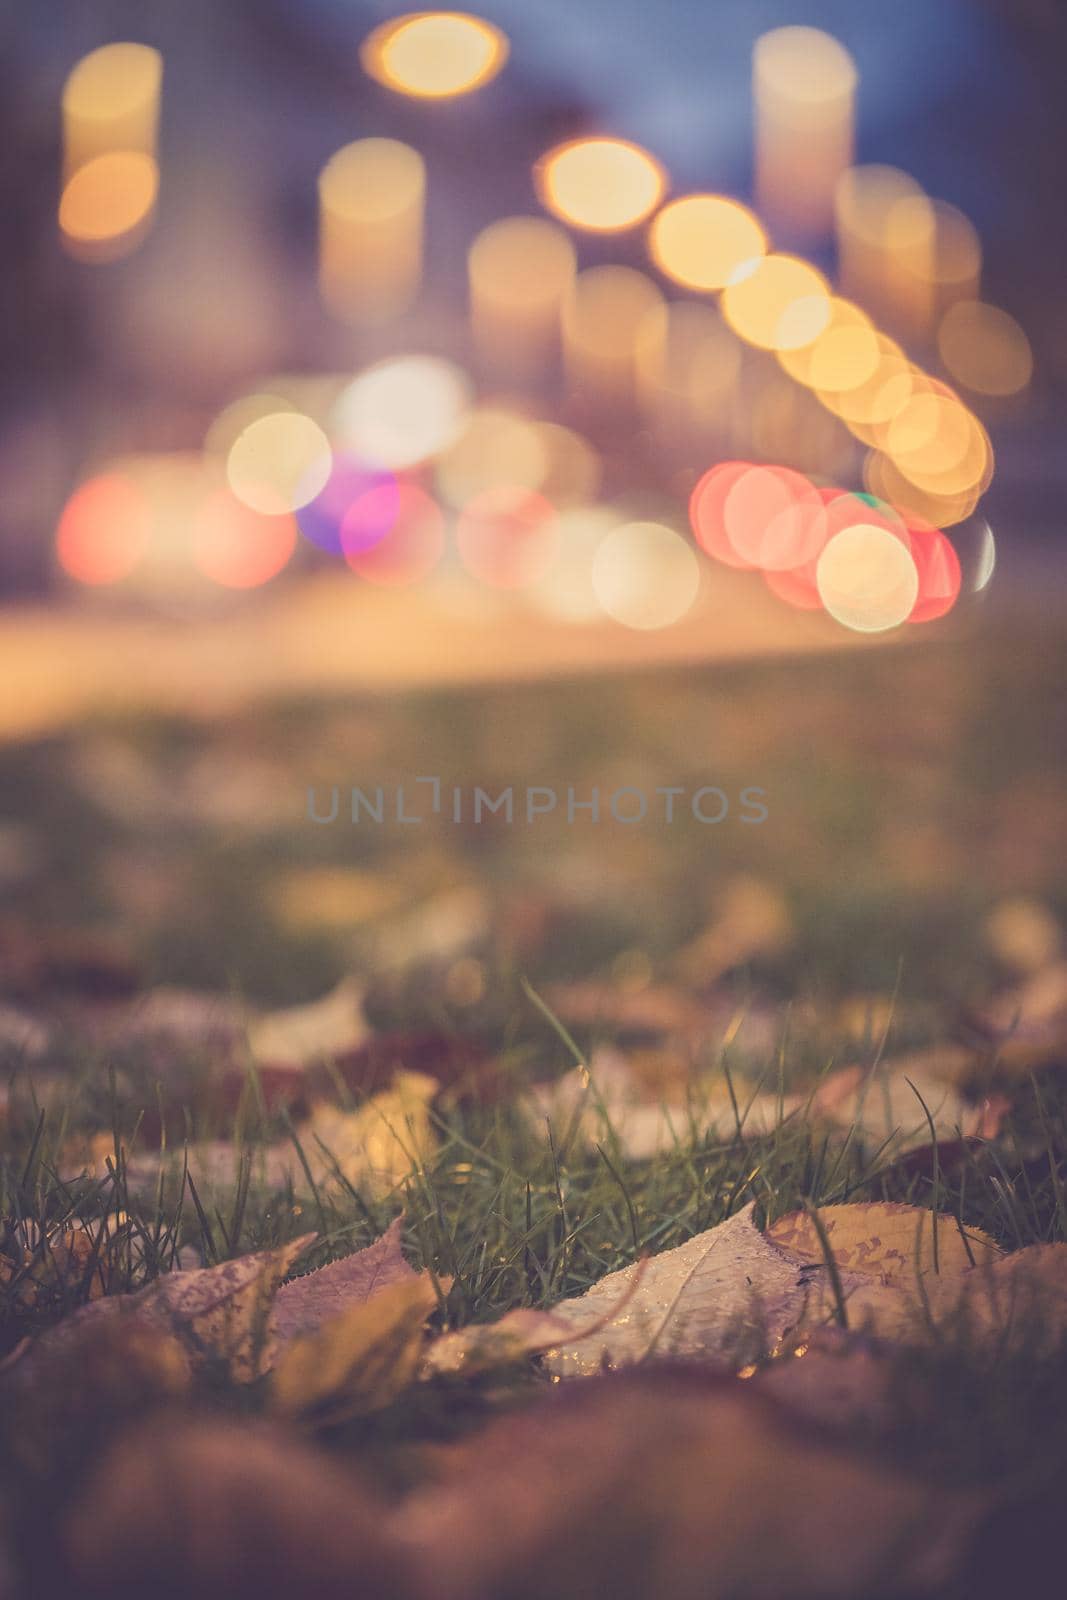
[[894, 1244], [222, 1314], [305, 1303], [380, 1144], [674, 1484], [750, 918], [302, 1035], [1016, 1304], [335, 898], [619, 1098], [907, 1289], [358, 1361], [223, 1511], [69, 1259], [375, 1147], [1042, 998], [722, 1290], [1023, 934]]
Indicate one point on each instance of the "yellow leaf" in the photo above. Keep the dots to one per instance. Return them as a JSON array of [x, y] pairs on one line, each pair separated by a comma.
[[225, 1313], [894, 1244], [382, 1143], [359, 1361]]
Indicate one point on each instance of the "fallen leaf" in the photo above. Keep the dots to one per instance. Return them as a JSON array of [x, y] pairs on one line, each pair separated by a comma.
[[222, 1314], [648, 1112], [1041, 998], [375, 1147], [656, 1008], [356, 1362], [721, 1291], [895, 1244], [381, 1143], [445, 926], [22, 1037], [750, 919], [488, 1346], [1023, 934], [679, 1484], [316, 1032], [68, 1261], [902, 1288], [305, 1303], [832, 1377], [224, 1511], [332, 897]]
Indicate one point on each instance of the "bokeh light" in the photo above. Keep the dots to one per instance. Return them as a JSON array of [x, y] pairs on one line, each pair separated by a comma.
[[322, 518], [957, 257], [941, 510], [232, 420], [703, 239], [371, 203], [107, 205], [645, 575], [690, 378], [774, 518], [600, 184], [411, 548], [707, 512], [867, 578], [984, 348], [104, 530], [279, 462], [565, 589], [844, 356], [782, 304], [798, 587], [939, 573], [111, 104], [497, 449], [939, 445], [614, 324], [874, 402], [507, 537], [434, 54], [885, 245], [804, 85], [236, 546], [403, 410], [572, 466], [520, 271]]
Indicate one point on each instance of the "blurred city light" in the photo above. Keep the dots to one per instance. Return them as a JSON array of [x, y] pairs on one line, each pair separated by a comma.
[[600, 184], [507, 537], [984, 348], [237, 546], [645, 575], [107, 205], [110, 104], [701, 240], [781, 304], [371, 202], [804, 87], [521, 271], [434, 55], [867, 578], [104, 530], [279, 462], [413, 544], [403, 410]]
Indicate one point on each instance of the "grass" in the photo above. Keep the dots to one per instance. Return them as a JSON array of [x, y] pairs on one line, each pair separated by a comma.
[[513, 1213]]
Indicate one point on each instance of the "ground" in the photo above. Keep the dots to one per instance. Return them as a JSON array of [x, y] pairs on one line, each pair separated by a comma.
[[168, 902]]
